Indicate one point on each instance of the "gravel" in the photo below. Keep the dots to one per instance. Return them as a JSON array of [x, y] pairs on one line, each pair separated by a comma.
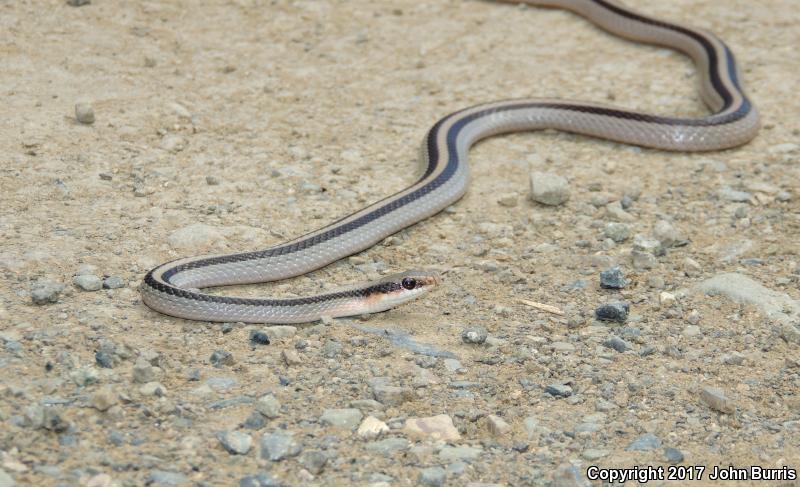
[[279, 445]]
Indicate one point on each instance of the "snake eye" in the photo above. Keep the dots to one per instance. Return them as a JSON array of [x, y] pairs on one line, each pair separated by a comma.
[[409, 283]]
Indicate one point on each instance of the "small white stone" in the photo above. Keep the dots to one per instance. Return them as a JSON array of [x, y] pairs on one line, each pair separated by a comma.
[[549, 189], [497, 425], [84, 113], [372, 427], [435, 427], [666, 299]]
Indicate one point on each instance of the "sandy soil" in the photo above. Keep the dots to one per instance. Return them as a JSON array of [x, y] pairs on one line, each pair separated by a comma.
[[252, 121]]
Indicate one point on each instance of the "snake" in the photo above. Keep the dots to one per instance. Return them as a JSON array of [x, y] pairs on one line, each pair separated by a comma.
[[175, 288]]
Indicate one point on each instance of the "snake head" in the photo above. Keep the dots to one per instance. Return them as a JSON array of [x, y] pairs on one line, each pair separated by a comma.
[[396, 289]]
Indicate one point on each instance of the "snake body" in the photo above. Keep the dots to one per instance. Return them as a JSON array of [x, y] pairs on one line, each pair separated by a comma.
[[174, 288]]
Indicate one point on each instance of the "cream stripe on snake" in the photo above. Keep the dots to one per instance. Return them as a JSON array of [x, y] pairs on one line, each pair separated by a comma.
[[173, 288]]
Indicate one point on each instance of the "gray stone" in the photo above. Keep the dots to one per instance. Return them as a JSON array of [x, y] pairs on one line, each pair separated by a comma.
[[6, 480], [618, 232], [88, 282], [459, 453], [562, 347], [390, 395], [347, 419], [331, 349], [314, 461], [549, 189], [667, 234], [162, 477], [235, 442], [616, 311], [474, 334], [46, 292], [593, 454], [645, 442], [261, 479], [173, 143], [616, 343], [729, 194], [104, 399], [613, 278], [432, 477], [221, 358], [387, 446], [717, 400], [775, 305], [84, 113], [279, 445], [269, 406], [673, 455], [648, 246], [113, 282], [558, 390], [143, 372]]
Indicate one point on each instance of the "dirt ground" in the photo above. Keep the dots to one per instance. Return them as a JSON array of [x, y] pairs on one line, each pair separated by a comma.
[[231, 125]]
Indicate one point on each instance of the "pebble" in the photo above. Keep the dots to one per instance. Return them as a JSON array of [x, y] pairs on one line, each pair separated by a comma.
[[549, 189], [646, 442], [729, 194], [666, 299], [435, 427], [390, 395], [259, 337], [508, 200], [616, 311], [255, 421], [613, 278], [643, 260], [331, 349], [717, 400], [497, 425], [347, 419], [78, 3], [593, 454], [733, 358], [153, 389], [453, 365], [562, 347], [314, 461], [269, 406], [616, 343], [279, 445], [615, 212], [459, 453], [691, 267], [46, 292], [235, 442], [88, 282], [387, 446], [143, 371], [162, 477], [113, 282], [221, 358], [104, 398], [667, 234], [673, 455], [6, 480], [618, 232], [432, 477], [558, 390], [371, 428], [261, 479], [692, 331], [474, 334], [648, 246], [84, 113], [212, 180], [291, 357], [173, 143]]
